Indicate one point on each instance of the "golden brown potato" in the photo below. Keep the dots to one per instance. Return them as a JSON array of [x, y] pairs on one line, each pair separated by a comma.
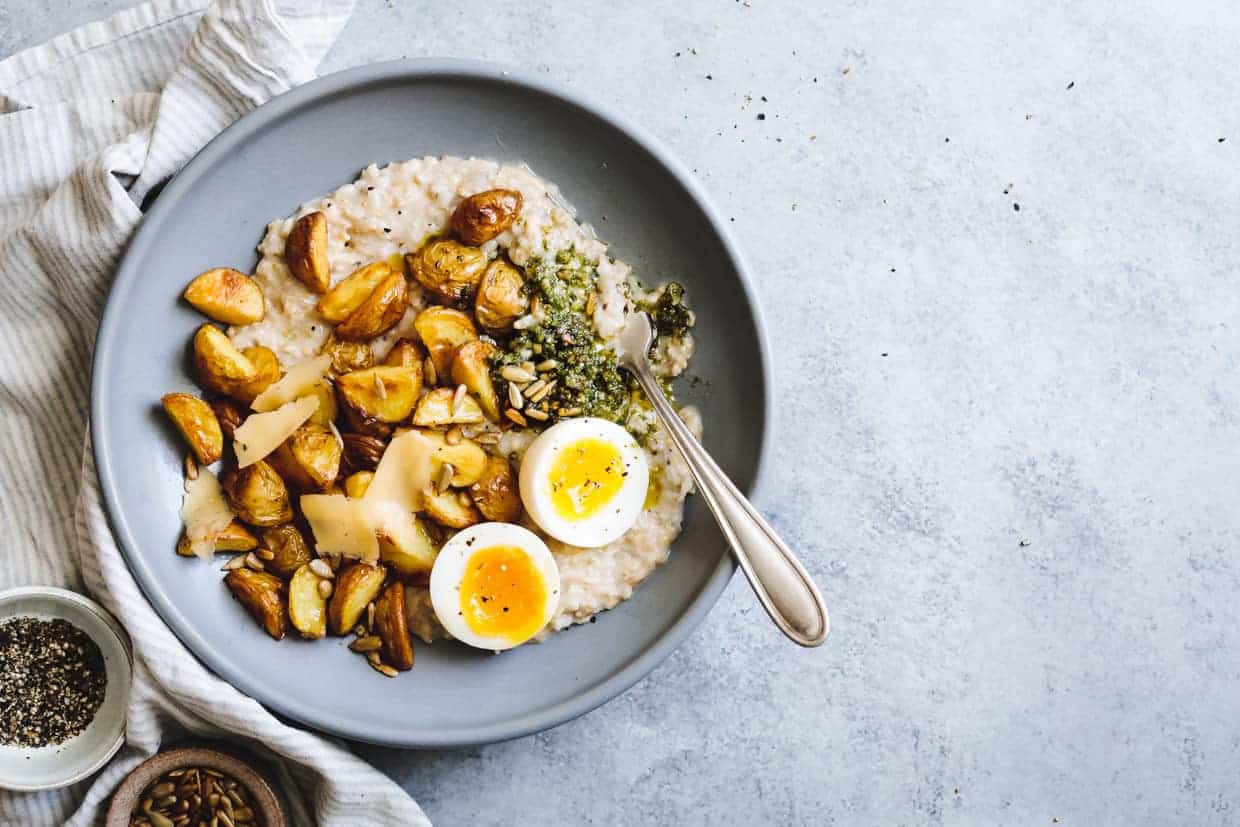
[[217, 364], [392, 628], [227, 296], [305, 252], [268, 370], [410, 553], [449, 509], [348, 294], [405, 354], [262, 595], [257, 494], [307, 608], [288, 548], [484, 215], [439, 408], [229, 414], [471, 367], [468, 460], [383, 393], [325, 414], [235, 537], [356, 484], [447, 269], [380, 312], [501, 297], [356, 586], [361, 452], [348, 356], [443, 330], [496, 493], [309, 460], [198, 424]]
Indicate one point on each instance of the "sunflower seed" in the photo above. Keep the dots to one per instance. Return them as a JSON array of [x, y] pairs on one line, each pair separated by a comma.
[[253, 562], [235, 563], [458, 398], [380, 388], [147, 804], [321, 568], [524, 323], [445, 476], [159, 820], [533, 388], [235, 796], [191, 467], [487, 438], [515, 374], [176, 773], [243, 814], [528, 366], [453, 436], [161, 790], [225, 818], [264, 554], [591, 300], [384, 669], [325, 589], [370, 615], [429, 373], [370, 643], [373, 658], [515, 416], [567, 412], [535, 305], [514, 396], [546, 365], [536, 413], [543, 391]]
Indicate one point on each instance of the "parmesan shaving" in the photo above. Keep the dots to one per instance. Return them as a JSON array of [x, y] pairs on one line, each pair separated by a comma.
[[341, 526], [404, 471], [299, 381], [262, 433], [205, 512]]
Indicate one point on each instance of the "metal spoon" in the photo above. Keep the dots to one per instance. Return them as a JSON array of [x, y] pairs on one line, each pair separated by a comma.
[[778, 578]]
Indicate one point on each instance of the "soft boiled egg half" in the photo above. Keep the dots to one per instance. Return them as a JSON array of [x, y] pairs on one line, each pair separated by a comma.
[[583, 481], [494, 585]]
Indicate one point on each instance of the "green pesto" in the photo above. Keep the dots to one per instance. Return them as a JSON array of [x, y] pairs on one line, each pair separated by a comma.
[[671, 317]]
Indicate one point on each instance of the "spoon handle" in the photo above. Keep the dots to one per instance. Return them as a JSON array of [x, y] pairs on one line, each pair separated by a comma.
[[783, 586]]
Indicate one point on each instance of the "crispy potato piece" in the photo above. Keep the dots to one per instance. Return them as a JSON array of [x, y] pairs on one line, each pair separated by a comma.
[[484, 215], [348, 294], [361, 452], [217, 364], [438, 409], [383, 393], [198, 424], [447, 509], [235, 537], [392, 628], [471, 367], [380, 312], [447, 269], [262, 595], [348, 356], [226, 295], [443, 330], [326, 394], [257, 494], [356, 484], [229, 414], [267, 365], [309, 460], [356, 586], [288, 547], [305, 252], [307, 608], [405, 354], [501, 297], [468, 460], [496, 493], [410, 554]]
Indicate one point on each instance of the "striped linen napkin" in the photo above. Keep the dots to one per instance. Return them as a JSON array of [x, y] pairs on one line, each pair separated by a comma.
[[89, 123]]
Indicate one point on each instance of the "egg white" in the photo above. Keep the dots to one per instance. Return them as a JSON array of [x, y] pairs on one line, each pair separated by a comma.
[[613, 519], [449, 571]]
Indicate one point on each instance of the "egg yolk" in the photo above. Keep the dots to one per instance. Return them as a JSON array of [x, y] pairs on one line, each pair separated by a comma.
[[586, 475], [502, 594]]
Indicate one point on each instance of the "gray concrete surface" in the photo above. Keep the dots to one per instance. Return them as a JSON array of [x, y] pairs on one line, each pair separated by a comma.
[[1008, 437]]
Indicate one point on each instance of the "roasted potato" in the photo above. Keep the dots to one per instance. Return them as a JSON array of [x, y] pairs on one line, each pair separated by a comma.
[[383, 393], [262, 595], [392, 628], [453, 509], [484, 215], [308, 460], [501, 297], [307, 607], [409, 553], [348, 294], [443, 330], [356, 586], [305, 252], [268, 370], [405, 354], [348, 356], [496, 493], [218, 365], [226, 295], [356, 484], [380, 311], [235, 537], [447, 269], [257, 494], [471, 367], [288, 548], [325, 415], [229, 413], [361, 452], [198, 424], [439, 408], [468, 460]]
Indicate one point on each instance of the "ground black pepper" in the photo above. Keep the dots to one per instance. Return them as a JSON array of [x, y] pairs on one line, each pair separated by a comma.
[[52, 681]]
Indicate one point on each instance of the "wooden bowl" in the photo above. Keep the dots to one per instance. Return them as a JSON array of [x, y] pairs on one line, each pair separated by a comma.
[[264, 800]]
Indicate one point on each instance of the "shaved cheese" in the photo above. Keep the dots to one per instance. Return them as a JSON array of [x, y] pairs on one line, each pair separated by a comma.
[[262, 433], [341, 526], [404, 471], [299, 381], [205, 512]]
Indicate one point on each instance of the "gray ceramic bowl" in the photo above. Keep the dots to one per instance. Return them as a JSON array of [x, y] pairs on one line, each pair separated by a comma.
[[306, 143]]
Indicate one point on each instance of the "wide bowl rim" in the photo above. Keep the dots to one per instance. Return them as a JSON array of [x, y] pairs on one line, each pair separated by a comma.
[[410, 71]]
